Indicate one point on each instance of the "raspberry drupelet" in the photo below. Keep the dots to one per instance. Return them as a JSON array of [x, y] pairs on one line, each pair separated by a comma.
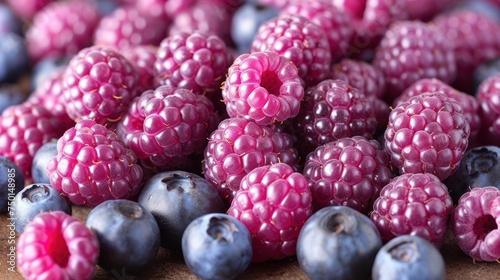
[[488, 95], [143, 58]]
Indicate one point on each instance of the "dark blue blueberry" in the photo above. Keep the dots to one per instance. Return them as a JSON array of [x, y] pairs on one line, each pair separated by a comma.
[[106, 7], [37, 198], [9, 21], [217, 246], [129, 237], [338, 242], [176, 198], [45, 67], [480, 167], [408, 257], [40, 161], [246, 21], [11, 94], [11, 183], [485, 70], [13, 57]]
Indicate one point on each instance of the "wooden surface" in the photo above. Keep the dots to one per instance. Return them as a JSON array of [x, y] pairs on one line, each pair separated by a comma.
[[169, 265]]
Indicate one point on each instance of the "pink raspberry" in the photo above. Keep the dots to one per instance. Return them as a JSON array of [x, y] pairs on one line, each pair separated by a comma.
[[61, 29], [273, 202], [27, 9], [264, 87], [143, 58], [349, 172], [173, 8], [125, 27], [416, 204], [410, 51], [24, 128], [476, 223], [299, 40], [56, 245], [425, 10], [237, 147], [488, 95], [427, 134], [168, 124], [99, 84], [157, 8], [92, 165]]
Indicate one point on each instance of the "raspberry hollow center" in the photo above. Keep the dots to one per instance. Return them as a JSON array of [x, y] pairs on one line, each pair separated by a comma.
[[57, 248], [271, 82], [484, 225]]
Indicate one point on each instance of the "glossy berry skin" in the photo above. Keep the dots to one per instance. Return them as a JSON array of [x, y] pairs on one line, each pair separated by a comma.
[[264, 87], [128, 235], [273, 202], [349, 172], [70, 25], [40, 160], [412, 50], [237, 147], [37, 198], [428, 133], [338, 242], [169, 193], [11, 183], [9, 21], [14, 60], [92, 165], [99, 84], [59, 246], [408, 257], [487, 95], [143, 58], [415, 204], [299, 40], [475, 223], [217, 246], [24, 128]]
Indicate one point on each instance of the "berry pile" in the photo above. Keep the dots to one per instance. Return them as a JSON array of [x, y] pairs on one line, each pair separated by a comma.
[[231, 131]]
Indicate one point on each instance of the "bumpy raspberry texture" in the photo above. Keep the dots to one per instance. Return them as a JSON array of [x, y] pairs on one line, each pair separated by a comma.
[[412, 50], [349, 172], [143, 58], [24, 128], [264, 87], [416, 204], [475, 38], [238, 146], [92, 165], [428, 133], [56, 245], [194, 61], [126, 27], [168, 124], [273, 202], [99, 84], [61, 29], [476, 223], [298, 39], [488, 95]]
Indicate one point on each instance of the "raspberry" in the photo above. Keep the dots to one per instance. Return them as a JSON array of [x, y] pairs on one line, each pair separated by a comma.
[[412, 50], [427, 134], [273, 203], [173, 8], [62, 28], [99, 84], [238, 146], [416, 204], [24, 128], [125, 27], [264, 87], [425, 10], [299, 40], [193, 61], [168, 124], [475, 38], [143, 58], [475, 223], [348, 172], [470, 104], [488, 95], [156, 8], [56, 245], [336, 24], [332, 110], [92, 165], [26, 9]]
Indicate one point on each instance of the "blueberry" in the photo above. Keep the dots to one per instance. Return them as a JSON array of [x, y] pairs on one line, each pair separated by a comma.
[[217, 246], [13, 57], [176, 198], [45, 67], [40, 161], [246, 21], [480, 167], [9, 21], [338, 242], [37, 198], [11, 94], [11, 183], [485, 70], [408, 257], [129, 237]]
